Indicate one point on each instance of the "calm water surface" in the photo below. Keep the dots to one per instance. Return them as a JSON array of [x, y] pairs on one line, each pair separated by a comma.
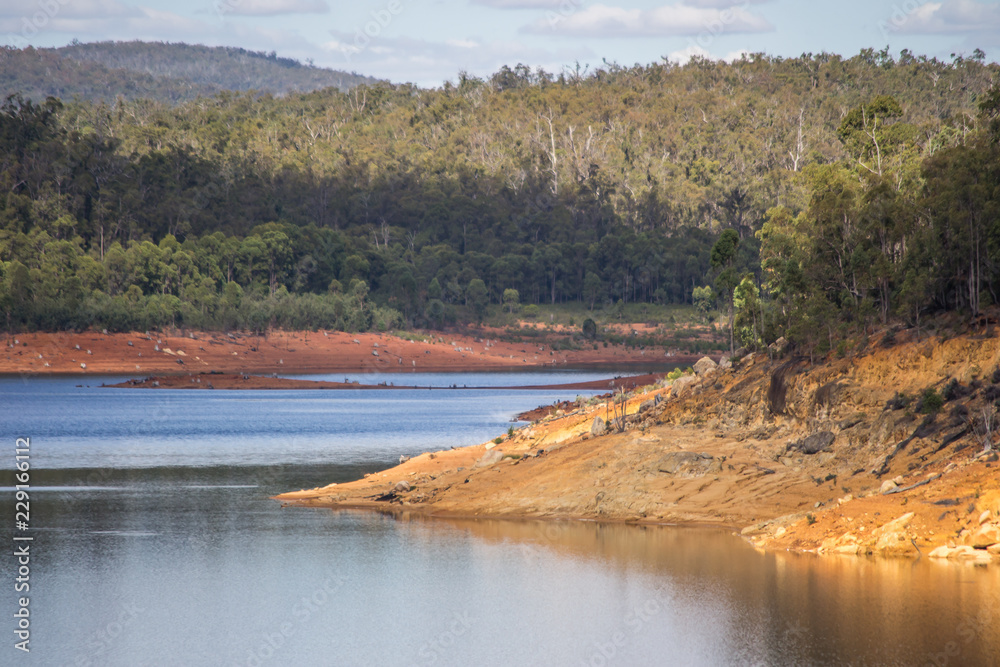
[[156, 544]]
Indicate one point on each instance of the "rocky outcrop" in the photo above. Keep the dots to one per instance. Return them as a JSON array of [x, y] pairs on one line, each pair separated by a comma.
[[815, 443], [688, 464], [489, 458], [681, 385], [704, 365], [985, 536]]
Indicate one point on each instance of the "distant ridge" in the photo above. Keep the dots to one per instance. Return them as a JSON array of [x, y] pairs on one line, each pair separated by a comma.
[[165, 72]]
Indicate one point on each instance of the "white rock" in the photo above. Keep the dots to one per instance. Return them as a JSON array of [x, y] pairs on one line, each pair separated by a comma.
[[847, 549], [704, 365], [987, 535]]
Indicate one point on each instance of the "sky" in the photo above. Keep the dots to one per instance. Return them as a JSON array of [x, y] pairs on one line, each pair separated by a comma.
[[428, 42]]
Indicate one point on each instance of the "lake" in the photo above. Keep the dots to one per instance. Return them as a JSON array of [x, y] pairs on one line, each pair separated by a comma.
[[156, 543]]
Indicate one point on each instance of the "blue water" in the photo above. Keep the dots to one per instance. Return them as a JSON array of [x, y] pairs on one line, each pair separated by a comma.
[[156, 543], [94, 426]]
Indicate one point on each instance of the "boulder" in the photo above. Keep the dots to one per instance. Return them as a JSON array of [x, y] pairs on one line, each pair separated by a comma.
[[942, 551], [688, 464], [489, 458], [848, 549], [851, 421], [598, 427], [984, 517], [960, 552], [725, 363], [888, 486], [704, 365], [968, 554], [986, 536], [779, 346], [402, 486], [815, 443], [646, 406], [892, 539], [681, 384]]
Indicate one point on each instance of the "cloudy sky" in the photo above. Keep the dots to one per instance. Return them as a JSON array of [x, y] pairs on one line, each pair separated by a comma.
[[429, 41]]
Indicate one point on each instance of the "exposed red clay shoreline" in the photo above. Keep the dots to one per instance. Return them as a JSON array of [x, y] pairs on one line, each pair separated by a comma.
[[95, 353], [243, 381]]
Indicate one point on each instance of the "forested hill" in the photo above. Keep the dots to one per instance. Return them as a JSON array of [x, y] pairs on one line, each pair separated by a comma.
[[158, 71], [814, 197]]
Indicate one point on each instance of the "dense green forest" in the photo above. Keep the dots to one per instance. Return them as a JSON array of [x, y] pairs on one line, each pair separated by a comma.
[[103, 71], [815, 197]]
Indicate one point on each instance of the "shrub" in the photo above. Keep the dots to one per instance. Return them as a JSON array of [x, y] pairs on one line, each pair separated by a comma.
[[930, 402], [674, 374], [953, 390], [899, 401]]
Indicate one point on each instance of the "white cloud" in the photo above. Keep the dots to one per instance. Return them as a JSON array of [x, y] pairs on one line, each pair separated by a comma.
[[722, 4], [429, 63], [270, 7], [666, 20], [683, 56], [948, 17], [144, 23], [155, 25], [67, 9], [526, 4], [462, 43]]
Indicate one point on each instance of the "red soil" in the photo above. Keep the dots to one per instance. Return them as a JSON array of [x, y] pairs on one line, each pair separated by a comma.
[[95, 353]]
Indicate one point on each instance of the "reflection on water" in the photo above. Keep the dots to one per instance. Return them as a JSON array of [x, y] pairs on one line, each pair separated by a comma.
[[205, 575], [193, 564], [792, 608]]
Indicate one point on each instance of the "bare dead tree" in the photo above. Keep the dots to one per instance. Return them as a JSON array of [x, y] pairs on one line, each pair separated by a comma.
[[799, 144], [983, 425], [552, 153], [617, 406]]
